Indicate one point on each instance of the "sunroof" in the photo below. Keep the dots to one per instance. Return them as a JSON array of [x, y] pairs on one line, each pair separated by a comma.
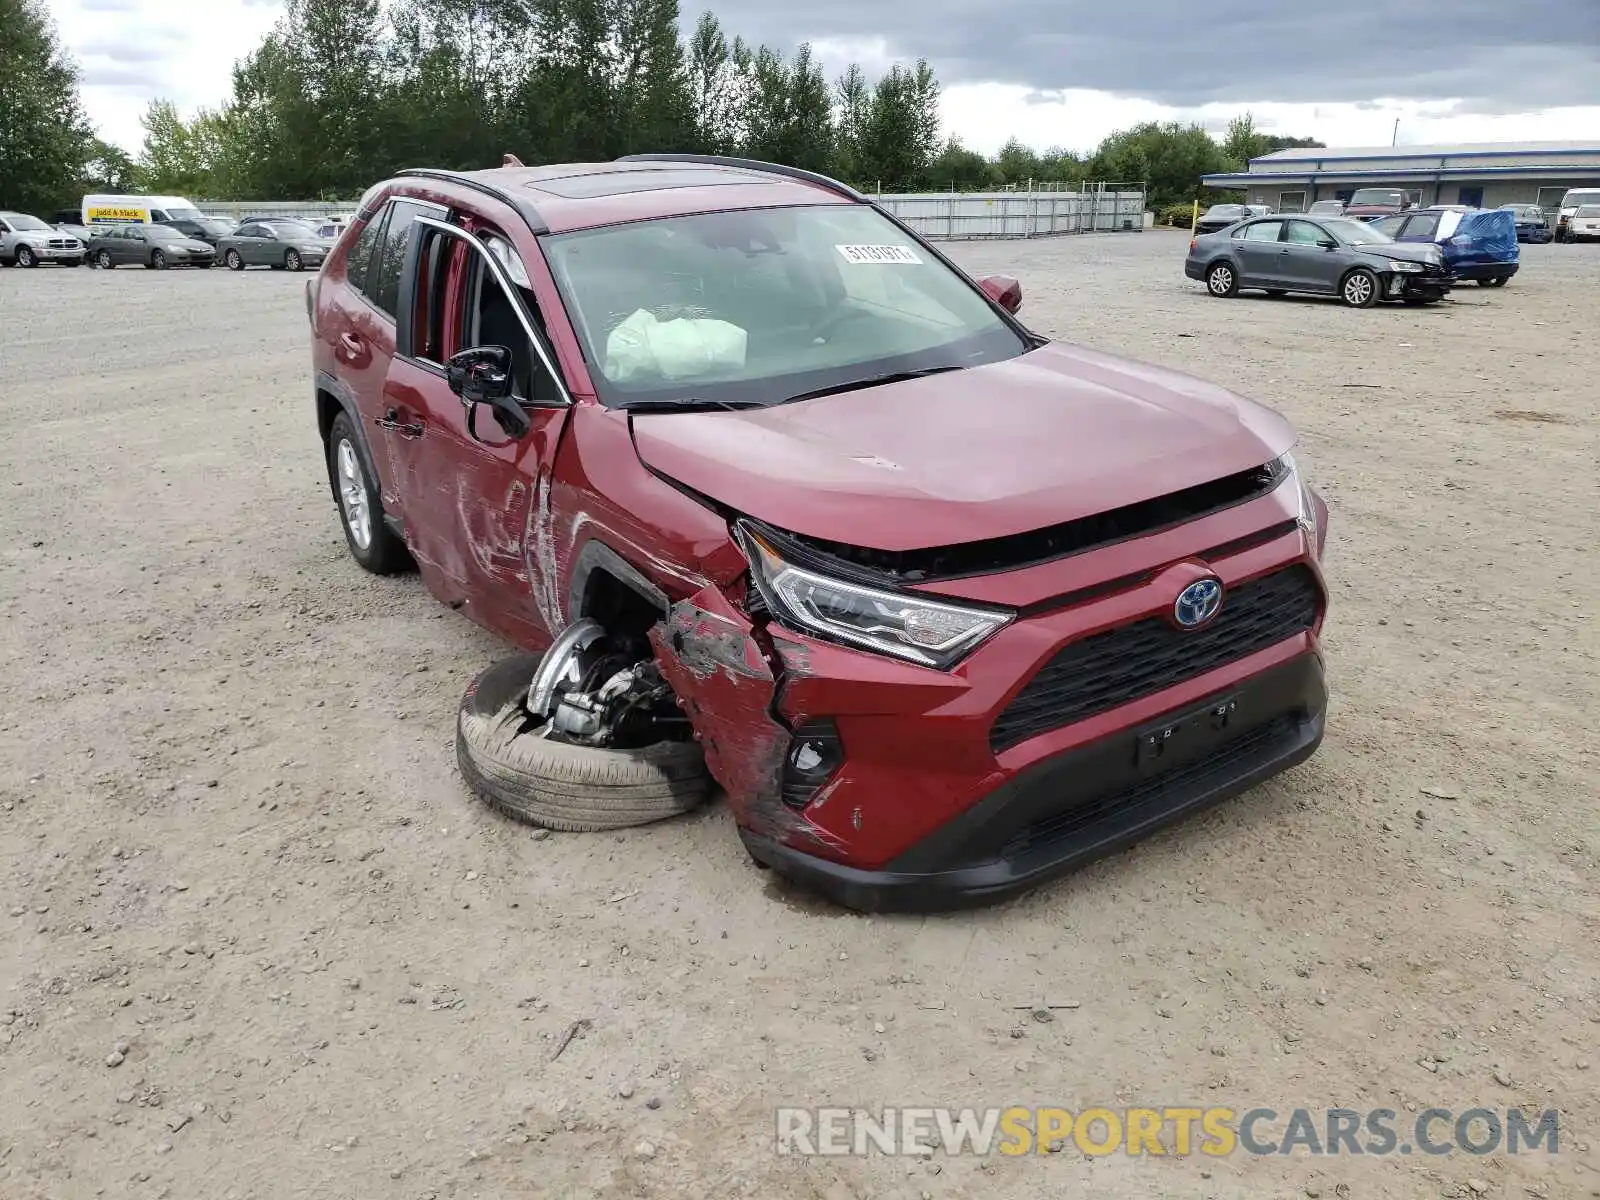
[[615, 183]]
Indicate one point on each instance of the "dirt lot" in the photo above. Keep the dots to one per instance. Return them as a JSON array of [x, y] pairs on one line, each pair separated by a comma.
[[233, 840]]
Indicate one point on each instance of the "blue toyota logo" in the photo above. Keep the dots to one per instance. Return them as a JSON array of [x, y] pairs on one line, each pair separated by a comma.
[[1198, 602]]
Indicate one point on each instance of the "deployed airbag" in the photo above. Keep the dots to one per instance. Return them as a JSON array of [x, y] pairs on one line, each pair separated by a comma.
[[676, 349]]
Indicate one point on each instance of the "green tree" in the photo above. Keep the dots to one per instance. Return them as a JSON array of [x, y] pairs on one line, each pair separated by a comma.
[[898, 140], [45, 140], [961, 169], [1018, 164], [1169, 158], [852, 97]]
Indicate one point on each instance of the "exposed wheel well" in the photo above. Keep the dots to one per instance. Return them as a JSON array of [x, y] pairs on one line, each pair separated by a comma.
[[621, 608]]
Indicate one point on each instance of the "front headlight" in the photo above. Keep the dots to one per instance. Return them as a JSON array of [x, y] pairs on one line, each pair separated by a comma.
[[922, 631], [1405, 267], [1307, 514]]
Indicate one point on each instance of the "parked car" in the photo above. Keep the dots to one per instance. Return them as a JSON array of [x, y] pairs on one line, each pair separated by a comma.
[[1531, 223], [1220, 216], [155, 246], [291, 245], [27, 241], [1326, 208], [949, 607], [82, 232], [1574, 199], [209, 230], [1477, 243], [1584, 223], [1319, 256], [1367, 203]]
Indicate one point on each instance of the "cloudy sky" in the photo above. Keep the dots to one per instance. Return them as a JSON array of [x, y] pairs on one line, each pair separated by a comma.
[[1052, 72]]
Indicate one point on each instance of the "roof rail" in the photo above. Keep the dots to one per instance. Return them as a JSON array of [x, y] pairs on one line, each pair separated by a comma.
[[752, 164], [520, 203]]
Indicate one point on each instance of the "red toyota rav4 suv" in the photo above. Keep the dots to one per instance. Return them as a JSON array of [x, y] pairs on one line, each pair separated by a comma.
[[949, 607]]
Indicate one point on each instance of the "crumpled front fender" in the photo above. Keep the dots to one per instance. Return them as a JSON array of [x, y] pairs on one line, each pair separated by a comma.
[[724, 677]]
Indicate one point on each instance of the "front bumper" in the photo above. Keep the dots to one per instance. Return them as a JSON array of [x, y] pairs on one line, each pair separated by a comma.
[[1073, 808], [56, 253]]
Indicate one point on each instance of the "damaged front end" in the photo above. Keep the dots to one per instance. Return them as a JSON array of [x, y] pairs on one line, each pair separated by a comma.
[[766, 699]]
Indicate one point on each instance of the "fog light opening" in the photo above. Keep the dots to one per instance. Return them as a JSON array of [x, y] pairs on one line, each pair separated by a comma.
[[815, 753]]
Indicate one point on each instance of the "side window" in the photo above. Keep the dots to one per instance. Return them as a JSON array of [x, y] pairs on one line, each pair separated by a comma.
[[1423, 225], [360, 256], [1389, 225], [1263, 231], [488, 316], [4, 228], [157, 215], [1304, 233], [383, 282], [245, 231]]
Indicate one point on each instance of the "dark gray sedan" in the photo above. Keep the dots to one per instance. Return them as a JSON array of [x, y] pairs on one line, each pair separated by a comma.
[[1323, 256], [274, 243], [154, 246]]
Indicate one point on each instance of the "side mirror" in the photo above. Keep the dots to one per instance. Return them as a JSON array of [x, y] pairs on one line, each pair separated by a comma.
[[1327, 243], [482, 375], [1004, 291]]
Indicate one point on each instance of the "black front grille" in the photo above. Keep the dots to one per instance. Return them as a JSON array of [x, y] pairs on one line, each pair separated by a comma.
[[1179, 782], [1107, 669]]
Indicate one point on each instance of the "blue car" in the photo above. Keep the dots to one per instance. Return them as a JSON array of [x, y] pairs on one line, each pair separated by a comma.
[[1478, 243]]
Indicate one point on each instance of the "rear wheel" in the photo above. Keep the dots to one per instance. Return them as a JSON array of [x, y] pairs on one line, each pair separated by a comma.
[[372, 543], [1359, 289], [1221, 280], [26, 257], [235, 263], [103, 260]]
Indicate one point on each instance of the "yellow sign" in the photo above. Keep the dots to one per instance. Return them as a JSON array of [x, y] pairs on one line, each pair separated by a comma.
[[101, 216]]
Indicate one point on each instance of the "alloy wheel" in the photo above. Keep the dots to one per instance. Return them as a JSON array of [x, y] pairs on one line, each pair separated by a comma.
[[353, 495], [1357, 290], [1220, 281]]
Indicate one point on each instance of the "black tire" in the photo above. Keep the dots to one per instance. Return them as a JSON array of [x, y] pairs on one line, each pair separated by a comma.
[[103, 260], [291, 260], [234, 260], [1497, 281], [26, 257], [1359, 289], [556, 784], [383, 553], [158, 260], [1222, 280]]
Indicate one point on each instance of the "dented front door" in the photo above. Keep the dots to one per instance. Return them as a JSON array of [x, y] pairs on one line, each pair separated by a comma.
[[471, 505]]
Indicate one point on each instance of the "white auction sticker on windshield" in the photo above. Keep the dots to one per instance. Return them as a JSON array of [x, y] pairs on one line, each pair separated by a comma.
[[878, 254]]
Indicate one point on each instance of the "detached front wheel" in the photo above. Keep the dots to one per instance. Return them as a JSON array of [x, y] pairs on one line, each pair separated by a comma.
[[598, 759]]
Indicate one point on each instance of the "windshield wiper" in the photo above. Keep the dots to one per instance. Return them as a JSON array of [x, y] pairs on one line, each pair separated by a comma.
[[874, 381], [689, 404]]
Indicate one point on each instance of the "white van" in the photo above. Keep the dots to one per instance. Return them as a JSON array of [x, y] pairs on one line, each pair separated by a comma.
[[1570, 203], [137, 210]]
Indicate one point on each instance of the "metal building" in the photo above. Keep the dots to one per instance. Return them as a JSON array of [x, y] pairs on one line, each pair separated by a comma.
[[1485, 175]]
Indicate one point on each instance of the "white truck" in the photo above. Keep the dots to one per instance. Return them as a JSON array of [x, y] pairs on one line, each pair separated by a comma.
[[137, 210]]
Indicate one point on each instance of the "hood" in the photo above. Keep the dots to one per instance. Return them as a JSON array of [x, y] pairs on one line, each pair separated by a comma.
[[1059, 433], [1426, 252]]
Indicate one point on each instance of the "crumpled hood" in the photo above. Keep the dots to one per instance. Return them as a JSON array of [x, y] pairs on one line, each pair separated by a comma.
[[1059, 433], [1408, 251]]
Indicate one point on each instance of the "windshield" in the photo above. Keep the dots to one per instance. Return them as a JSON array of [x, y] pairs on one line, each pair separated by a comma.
[[22, 221], [215, 226], [1355, 233], [1575, 197], [1379, 196], [164, 233], [758, 306], [1326, 206], [1225, 210], [1588, 210]]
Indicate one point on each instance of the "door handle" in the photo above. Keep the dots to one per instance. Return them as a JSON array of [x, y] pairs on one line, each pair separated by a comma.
[[350, 342], [391, 420]]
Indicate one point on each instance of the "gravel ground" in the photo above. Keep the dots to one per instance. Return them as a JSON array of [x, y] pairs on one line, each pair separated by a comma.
[[261, 944]]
